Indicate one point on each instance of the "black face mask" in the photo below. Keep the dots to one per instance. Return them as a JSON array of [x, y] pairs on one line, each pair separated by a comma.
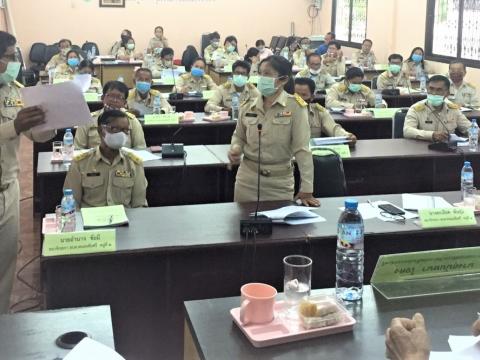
[[125, 38]]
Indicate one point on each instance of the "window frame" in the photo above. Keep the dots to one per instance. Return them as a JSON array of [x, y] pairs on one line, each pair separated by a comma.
[[348, 43], [430, 22]]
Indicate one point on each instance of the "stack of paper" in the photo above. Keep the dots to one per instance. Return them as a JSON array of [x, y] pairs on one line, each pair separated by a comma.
[[92, 350], [332, 140], [463, 348], [143, 154], [293, 215], [104, 216], [418, 202]]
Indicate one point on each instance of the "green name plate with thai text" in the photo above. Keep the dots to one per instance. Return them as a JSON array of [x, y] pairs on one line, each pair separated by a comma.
[[79, 242], [161, 119], [449, 217]]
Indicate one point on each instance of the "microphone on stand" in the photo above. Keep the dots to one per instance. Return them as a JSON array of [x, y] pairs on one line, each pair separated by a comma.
[[175, 95], [443, 146]]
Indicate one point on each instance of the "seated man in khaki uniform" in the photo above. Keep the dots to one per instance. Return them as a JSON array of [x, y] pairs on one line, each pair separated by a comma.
[[394, 77], [434, 118], [364, 57], [115, 94], [321, 122], [461, 92], [222, 98], [210, 49], [333, 60], [141, 99], [322, 79], [196, 79], [350, 92], [108, 175], [160, 62], [61, 58]]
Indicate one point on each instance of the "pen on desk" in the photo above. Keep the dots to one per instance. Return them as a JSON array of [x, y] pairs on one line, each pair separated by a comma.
[[371, 203], [111, 219]]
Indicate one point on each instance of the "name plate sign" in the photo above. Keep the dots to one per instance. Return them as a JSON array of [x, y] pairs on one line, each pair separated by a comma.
[[79, 242]]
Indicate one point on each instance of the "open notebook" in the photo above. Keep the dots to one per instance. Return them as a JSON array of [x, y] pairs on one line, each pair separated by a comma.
[[104, 216]]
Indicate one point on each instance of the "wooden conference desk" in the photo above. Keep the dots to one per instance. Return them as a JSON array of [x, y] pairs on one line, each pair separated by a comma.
[[169, 255], [32, 335], [112, 70], [393, 101], [215, 336]]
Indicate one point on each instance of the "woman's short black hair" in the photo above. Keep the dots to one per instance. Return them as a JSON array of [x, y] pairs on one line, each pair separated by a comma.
[[199, 59], [214, 35], [251, 52], [86, 63], [230, 39], [158, 27], [242, 64], [116, 85], [260, 42], [6, 40], [354, 72], [166, 51], [306, 81], [284, 69], [109, 115], [73, 51]]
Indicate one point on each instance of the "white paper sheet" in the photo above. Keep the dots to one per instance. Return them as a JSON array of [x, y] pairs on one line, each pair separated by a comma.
[[460, 343], [83, 81], [292, 212], [418, 202], [442, 355], [456, 138], [332, 140], [291, 221], [64, 105], [92, 350], [143, 154]]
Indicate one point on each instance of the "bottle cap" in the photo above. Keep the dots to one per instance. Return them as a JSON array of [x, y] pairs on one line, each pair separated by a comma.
[[351, 204], [466, 163], [67, 192], [69, 130]]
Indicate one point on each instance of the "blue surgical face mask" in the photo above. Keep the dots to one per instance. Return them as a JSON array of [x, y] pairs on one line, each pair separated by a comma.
[[196, 72], [143, 86], [73, 62], [354, 88], [435, 100], [239, 80], [266, 85], [10, 73], [417, 58]]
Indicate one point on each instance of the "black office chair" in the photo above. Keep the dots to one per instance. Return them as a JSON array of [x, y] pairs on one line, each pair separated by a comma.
[[90, 46], [397, 123], [329, 176], [37, 57], [374, 82], [50, 51], [273, 43], [282, 41], [189, 56]]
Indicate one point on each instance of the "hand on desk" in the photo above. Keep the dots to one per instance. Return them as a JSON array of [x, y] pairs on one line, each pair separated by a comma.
[[29, 117], [307, 199], [352, 138], [439, 136], [408, 339]]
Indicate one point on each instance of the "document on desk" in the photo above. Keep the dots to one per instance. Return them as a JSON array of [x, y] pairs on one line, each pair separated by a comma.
[[418, 202], [92, 350], [293, 215], [143, 154], [104, 216], [64, 105]]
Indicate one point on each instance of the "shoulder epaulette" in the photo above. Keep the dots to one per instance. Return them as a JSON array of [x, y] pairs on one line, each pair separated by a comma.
[[185, 76], [251, 86], [17, 84], [154, 92], [364, 89], [130, 115], [131, 94], [207, 77], [83, 155], [453, 106], [319, 107], [342, 87], [420, 106], [132, 156], [96, 113], [227, 85], [300, 101]]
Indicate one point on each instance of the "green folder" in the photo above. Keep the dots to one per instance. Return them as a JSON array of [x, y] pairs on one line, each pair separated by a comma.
[[383, 113], [104, 216], [161, 119], [91, 97]]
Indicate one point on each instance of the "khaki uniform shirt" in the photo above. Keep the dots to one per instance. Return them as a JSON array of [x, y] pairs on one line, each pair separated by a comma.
[[125, 52], [285, 134], [410, 68], [86, 136], [254, 69], [465, 94], [95, 86], [156, 67], [115, 47], [155, 43], [422, 120], [387, 80], [335, 68], [97, 182], [55, 61], [224, 56], [10, 104], [145, 106], [323, 80], [208, 53], [300, 58], [222, 98], [64, 71], [322, 123], [339, 96], [192, 83], [363, 60]]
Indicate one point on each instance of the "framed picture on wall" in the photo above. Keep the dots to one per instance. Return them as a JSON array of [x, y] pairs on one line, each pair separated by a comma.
[[112, 3]]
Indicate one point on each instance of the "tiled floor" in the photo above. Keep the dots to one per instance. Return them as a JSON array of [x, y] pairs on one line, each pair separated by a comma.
[[23, 297]]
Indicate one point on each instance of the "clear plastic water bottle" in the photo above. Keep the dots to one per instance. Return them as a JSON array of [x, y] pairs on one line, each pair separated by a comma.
[[121, 79], [349, 277], [68, 211], [466, 178], [473, 136], [423, 83], [157, 105], [235, 106], [378, 99], [285, 52], [94, 51], [68, 147]]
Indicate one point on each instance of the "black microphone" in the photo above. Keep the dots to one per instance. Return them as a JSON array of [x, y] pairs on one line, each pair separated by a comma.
[[172, 150], [258, 224], [175, 95]]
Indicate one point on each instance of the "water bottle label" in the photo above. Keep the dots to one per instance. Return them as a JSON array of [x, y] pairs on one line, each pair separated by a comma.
[[350, 237]]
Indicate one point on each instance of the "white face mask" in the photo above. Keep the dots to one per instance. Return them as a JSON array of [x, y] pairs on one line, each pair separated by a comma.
[[315, 72], [115, 141]]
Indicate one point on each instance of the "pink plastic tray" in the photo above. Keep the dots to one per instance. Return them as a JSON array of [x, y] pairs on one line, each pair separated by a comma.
[[358, 115], [281, 331]]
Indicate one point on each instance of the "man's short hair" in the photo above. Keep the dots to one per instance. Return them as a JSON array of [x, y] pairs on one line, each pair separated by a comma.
[[306, 81], [440, 78], [107, 116], [395, 56], [354, 72]]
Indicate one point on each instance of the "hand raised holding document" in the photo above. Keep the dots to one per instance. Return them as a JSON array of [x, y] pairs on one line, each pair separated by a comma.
[[28, 118]]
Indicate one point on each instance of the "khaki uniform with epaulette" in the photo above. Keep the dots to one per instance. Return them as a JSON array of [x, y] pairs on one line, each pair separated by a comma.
[[208, 52], [156, 67], [334, 68], [323, 80], [95, 86], [64, 71], [339, 96], [387, 80], [10, 104], [285, 135], [222, 98], [464, 95], [322, 123], [192, 83], [96, 181], [145, 106], [360, 59], [422, 121], [56, 60], [86, 136]]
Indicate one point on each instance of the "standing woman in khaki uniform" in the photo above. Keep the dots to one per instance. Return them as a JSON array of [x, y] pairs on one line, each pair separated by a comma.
[[285, 134], [14, 120]]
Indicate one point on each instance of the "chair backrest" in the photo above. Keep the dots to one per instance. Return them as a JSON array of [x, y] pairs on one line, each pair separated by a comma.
[[89, 46], [205, 41], [374, 82], [273, 42], [282, 41], [329, 176], [37, 53], [397, 123], [83, 54], [50, 51], [189, 56]]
